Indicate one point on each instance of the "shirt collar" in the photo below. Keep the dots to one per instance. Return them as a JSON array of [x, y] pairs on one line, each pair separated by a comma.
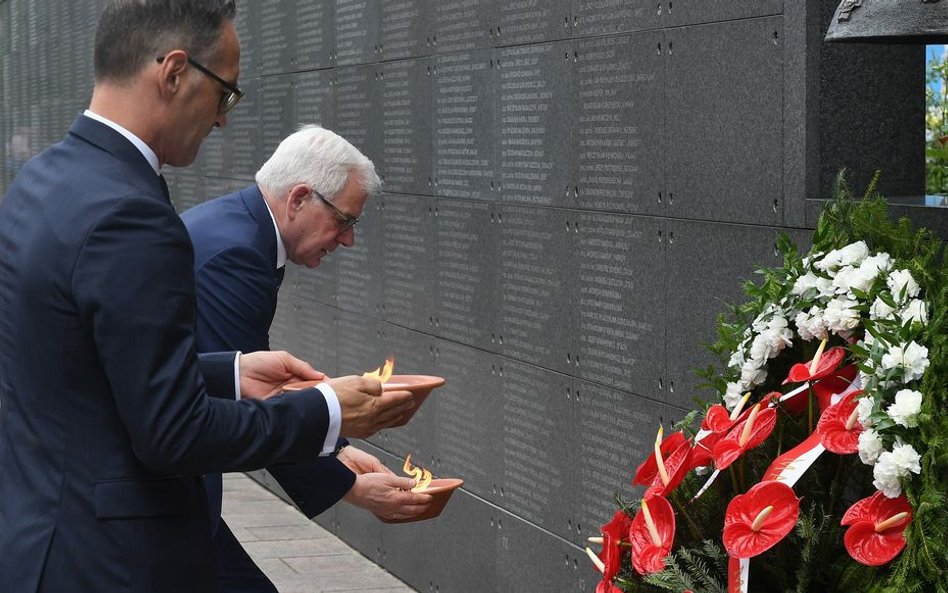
[[281, 249], [143, 148]]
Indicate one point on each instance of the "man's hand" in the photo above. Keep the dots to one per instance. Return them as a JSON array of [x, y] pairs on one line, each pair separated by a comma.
[[387, 495], [263, 374], [365, 408], [361, 462]]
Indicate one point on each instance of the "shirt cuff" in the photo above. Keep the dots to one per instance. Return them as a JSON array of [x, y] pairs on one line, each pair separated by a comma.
[[237, 376], [335, 419]]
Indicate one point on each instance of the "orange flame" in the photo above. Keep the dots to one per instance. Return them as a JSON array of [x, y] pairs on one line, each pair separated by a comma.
[[384, 372], [421, 475]]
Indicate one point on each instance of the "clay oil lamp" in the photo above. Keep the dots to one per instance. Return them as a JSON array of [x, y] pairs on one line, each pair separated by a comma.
[[440, 490], [419, 385]]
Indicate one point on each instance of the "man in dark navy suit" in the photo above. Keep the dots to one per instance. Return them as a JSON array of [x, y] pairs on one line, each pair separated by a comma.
[[305, 204], [106, 426]]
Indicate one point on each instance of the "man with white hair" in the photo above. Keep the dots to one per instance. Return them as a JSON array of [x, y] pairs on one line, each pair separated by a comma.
[[306, 202]]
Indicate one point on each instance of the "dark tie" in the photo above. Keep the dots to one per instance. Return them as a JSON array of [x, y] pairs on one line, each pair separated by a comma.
[[164, 187], [279, 275]]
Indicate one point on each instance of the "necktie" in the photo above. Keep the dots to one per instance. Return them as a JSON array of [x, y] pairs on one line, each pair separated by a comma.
[[164, 187], [279, 275]]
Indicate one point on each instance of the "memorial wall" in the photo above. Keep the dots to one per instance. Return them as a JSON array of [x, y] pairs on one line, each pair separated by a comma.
[[574, 189]]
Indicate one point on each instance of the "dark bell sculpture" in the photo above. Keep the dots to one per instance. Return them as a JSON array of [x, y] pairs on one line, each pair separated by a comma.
[[890, 21]]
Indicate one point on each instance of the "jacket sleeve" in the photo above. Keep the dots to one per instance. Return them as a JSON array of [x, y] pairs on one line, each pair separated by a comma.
[[236, 298], [314, 485], [133, 284]]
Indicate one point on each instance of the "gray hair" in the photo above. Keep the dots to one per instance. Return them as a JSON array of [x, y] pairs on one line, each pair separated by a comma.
[[319, 158], [131, 33]]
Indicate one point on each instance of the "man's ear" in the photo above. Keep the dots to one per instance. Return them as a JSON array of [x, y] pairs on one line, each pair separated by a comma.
[[170, 71], [296, 200]]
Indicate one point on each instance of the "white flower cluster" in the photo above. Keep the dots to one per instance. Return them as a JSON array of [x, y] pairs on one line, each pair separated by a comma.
[[832, 295]]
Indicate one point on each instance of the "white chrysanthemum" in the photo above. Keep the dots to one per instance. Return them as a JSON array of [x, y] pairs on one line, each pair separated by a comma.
[[752, 373], [732, 395], [914, 310], [904, 411], [912, 359], [863, 410], [737, 359], [825, 288], [852, 254], [870, 446], [880, 310], [902, 285], [841, 315], [850, 278], [906, 458], [874, 264], [810, 324], [886, 475], [804, 283]]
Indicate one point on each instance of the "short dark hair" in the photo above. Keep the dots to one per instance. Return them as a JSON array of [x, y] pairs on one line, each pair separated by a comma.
[[131, 33]]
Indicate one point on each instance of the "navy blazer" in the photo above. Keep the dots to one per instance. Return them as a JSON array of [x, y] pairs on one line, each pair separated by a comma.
[[105, 423], [236, 280]]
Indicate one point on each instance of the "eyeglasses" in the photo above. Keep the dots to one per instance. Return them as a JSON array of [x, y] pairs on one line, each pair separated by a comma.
[[228, 99], [345, 221]]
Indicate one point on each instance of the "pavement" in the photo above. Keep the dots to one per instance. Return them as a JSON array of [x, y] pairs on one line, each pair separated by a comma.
[[298, 555]]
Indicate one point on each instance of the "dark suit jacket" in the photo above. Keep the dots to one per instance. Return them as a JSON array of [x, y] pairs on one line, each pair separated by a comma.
[[105, 424], [235, 253]]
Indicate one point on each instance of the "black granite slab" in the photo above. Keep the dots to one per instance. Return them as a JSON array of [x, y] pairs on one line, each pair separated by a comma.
[[356, 113], [534, 472], [315, 98], [535, 269], [463, 132], [617, 431], [469, 412], [534, 104], [466, 259], [597, 17], [618, 133], [404, 28], [530, 21], [277, 112], [707, 263], [356, 32], [359, 276], [723, 157], [461, 25], [617, 300], [676, 13], [409, 285], [277, 31], [315, 38], [405, 97]]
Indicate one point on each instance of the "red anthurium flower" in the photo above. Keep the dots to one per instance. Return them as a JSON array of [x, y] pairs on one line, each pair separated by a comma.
[[835, 383], [677, 465], [614, 533], [652, 534], [838, 427], [605, 586], [701, 451], [877, 528], [759, 519], [745, 435], [825, 366], [646, 472]]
